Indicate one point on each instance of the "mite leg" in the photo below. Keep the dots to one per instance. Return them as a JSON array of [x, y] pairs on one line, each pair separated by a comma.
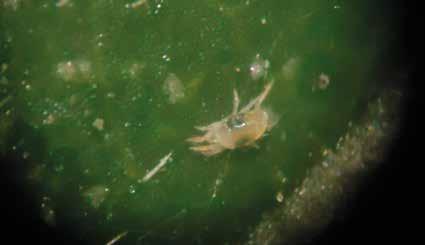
[[235, 102]]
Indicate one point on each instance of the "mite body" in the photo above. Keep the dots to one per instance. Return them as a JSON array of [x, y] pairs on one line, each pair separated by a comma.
[[240, 129]]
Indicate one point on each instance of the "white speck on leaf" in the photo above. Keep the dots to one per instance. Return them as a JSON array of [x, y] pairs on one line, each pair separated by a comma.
[[98, 123]]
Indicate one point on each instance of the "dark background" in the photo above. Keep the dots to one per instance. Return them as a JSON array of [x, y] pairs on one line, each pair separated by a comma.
[[386, 207]]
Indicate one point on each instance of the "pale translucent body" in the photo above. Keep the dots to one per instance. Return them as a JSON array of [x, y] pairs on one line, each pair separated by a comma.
[[239, 129]]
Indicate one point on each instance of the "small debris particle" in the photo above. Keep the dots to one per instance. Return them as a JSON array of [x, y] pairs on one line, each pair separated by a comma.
[[279, 197], [63, 3], [86, 113], [161, 164], [135, 69], [217, 184], [13, 4], [174, 88], [301, 192], [326, 152], [324, 80], [25, 155], [47, 212], [58, 167], [74, 70], [131, 189], [110, 95], [84, 66], [96, 195], [290, 68], [136, 4], [66, 70], [321, 83], [4, 67], [4, 101], [98, 123], [117, 237], [166, 57]]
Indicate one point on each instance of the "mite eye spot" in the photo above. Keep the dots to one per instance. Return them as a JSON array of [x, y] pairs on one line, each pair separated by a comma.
[[236, 122]]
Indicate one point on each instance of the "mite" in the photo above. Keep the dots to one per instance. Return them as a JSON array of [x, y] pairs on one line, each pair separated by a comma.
[[242, 128]]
